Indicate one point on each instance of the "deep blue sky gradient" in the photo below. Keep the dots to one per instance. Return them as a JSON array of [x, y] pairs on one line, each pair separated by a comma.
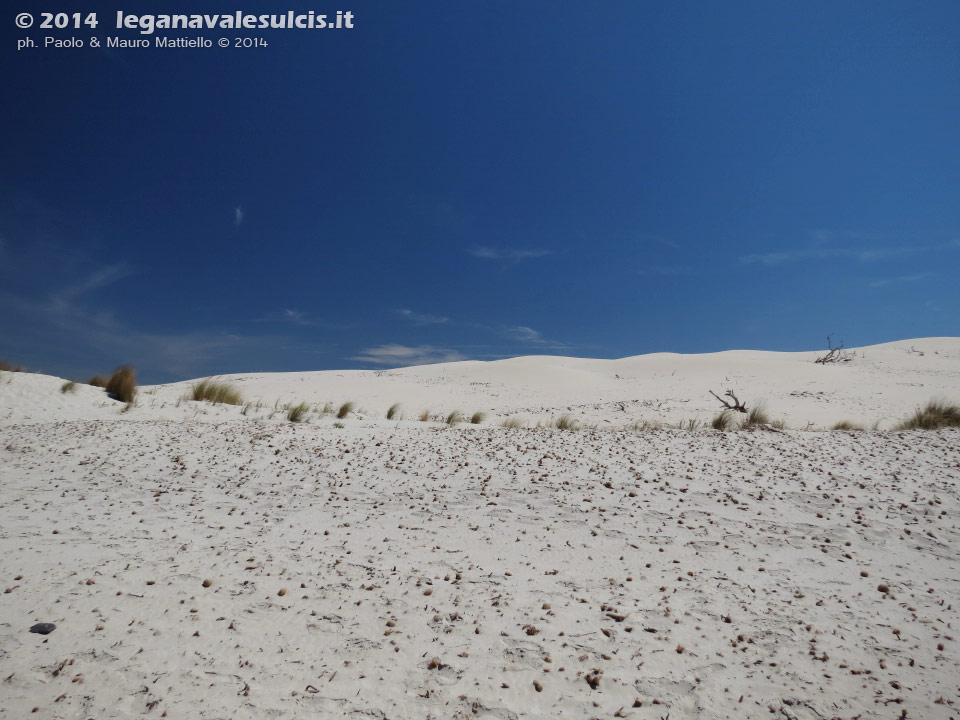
[[478, 180]]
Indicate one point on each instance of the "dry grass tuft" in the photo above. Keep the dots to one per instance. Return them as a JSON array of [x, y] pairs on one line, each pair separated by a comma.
[[455, 417], [8, 367], [394, 412], [68, 387], [295, 413], [723, 421], [478, 417], [846, 425], [122, 385], [97, 381], [425, 416], [644, 426], [937, 414], [757, 416], [216, 392], [565, 422], [345, 410], [513, 423]]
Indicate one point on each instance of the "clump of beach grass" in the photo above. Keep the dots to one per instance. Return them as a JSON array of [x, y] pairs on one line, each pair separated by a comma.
[[6, 366], [97, 381], [68, 387], [644, 426], [425, 416], [345, 410], [455, 417], [215, 392], [937, 413], [122, 385], [756, 417], [513, 423], [723, 421], [478, 417], [296, 413], [393, 412], [846, 425], [565, 422]]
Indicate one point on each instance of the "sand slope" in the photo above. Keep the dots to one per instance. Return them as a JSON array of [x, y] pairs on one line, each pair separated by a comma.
[[429, 572], [881, 382]]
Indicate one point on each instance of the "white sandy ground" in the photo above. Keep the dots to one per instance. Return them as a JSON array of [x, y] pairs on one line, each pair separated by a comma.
[[480, 571]]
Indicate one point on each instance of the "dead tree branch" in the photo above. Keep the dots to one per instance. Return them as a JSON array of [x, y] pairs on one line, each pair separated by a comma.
[[835, 354], [737, 405]]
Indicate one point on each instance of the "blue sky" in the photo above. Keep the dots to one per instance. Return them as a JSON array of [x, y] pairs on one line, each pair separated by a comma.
[[477, 180]]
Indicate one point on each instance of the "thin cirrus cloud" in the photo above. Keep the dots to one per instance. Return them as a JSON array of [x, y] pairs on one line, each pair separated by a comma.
[[530, 336], [902, 279], [421, 318], [507, 254], [288, 316], [404, 355], [858, 254], [106, 275]]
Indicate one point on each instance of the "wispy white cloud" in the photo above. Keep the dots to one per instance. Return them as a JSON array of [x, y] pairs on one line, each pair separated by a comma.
[[62, 307], [421, 318], [525, 334], [530, 336], [100, 278], [238, 216], [403, 355], [287, 316], [900, 280], [507, 254], [859, 254]]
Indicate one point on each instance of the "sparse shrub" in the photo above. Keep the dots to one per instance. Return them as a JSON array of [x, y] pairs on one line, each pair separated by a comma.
[[216, 392], [846, 425], [295, 413], [478, 417], [937, 414], [513, 423], [425, 416], [122, 385], [345, 410], [723, 421], [68, 387], [757, 416], [339, 425], [565, 422], [455, 417], [97, 381], [691, 424], [393, 411]]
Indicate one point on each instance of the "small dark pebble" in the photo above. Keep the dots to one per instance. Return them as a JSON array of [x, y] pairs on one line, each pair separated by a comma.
[[43, 628]]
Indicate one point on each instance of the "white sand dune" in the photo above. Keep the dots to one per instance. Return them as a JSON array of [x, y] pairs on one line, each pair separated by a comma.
[[410, 570]]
